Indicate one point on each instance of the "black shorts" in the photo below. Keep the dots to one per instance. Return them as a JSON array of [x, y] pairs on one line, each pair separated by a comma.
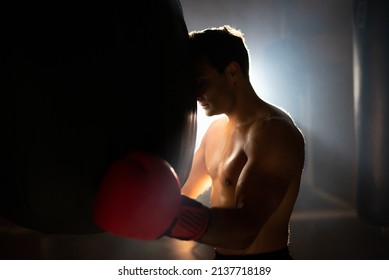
[[282, 254]]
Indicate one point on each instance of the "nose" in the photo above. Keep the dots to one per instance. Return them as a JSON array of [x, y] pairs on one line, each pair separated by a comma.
[[199, 97], [199, 92]]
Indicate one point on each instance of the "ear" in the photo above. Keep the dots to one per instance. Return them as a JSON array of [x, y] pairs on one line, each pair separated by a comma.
[[234, 70]]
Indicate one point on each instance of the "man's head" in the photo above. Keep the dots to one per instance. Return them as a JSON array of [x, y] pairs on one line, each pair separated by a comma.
[[220, 62], [220, 46]]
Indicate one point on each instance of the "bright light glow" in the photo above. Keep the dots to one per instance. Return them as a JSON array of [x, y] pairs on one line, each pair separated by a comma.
[[203, 122]]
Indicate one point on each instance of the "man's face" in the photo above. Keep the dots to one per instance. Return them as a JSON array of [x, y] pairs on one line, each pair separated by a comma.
[[212, 88]]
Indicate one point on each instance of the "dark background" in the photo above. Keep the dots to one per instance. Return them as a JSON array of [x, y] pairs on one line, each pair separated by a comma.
[[302, 60]]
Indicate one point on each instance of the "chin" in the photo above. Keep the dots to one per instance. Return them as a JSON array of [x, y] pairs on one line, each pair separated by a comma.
[[209, 113]]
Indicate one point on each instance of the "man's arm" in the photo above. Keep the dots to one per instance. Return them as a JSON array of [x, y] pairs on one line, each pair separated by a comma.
[[275, 154], [274, 157], [198, 180]]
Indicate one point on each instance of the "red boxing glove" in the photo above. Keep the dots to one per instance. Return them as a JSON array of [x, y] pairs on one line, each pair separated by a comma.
[[140, 198]]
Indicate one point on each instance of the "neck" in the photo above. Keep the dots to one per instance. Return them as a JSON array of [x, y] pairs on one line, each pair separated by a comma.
[[248, 107]]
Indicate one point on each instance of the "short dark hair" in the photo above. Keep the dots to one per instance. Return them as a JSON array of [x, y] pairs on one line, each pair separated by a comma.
[[221, 46]]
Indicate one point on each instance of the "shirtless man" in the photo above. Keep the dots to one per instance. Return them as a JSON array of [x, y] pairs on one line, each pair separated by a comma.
[[252, 158]]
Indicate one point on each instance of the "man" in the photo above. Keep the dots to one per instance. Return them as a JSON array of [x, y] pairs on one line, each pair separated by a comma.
[[252, 158]]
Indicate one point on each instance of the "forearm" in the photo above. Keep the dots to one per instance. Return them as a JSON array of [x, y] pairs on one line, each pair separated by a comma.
[[125, 191], [217, 227]]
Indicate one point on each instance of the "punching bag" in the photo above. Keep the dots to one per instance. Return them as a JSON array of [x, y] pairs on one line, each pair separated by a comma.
[[81, 87], [371, 92]]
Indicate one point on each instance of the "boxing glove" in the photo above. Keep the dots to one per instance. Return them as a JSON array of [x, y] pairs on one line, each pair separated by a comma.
[[140, 197]]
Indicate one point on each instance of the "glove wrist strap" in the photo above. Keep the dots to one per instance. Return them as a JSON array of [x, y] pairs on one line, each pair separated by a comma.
[[191, 222]]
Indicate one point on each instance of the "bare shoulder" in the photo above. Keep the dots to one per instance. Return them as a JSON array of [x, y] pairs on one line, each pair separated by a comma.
[[215, 128], [217, 125], [277, 133], [276, 124], [281, 125]]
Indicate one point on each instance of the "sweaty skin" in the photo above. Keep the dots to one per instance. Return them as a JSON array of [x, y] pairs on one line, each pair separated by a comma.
[[252, 159]]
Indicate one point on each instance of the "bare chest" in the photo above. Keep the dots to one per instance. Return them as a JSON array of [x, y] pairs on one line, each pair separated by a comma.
[[225, 159]]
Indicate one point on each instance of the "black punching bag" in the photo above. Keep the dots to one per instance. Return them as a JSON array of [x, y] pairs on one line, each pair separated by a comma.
[[371, 91], [81, 86]]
